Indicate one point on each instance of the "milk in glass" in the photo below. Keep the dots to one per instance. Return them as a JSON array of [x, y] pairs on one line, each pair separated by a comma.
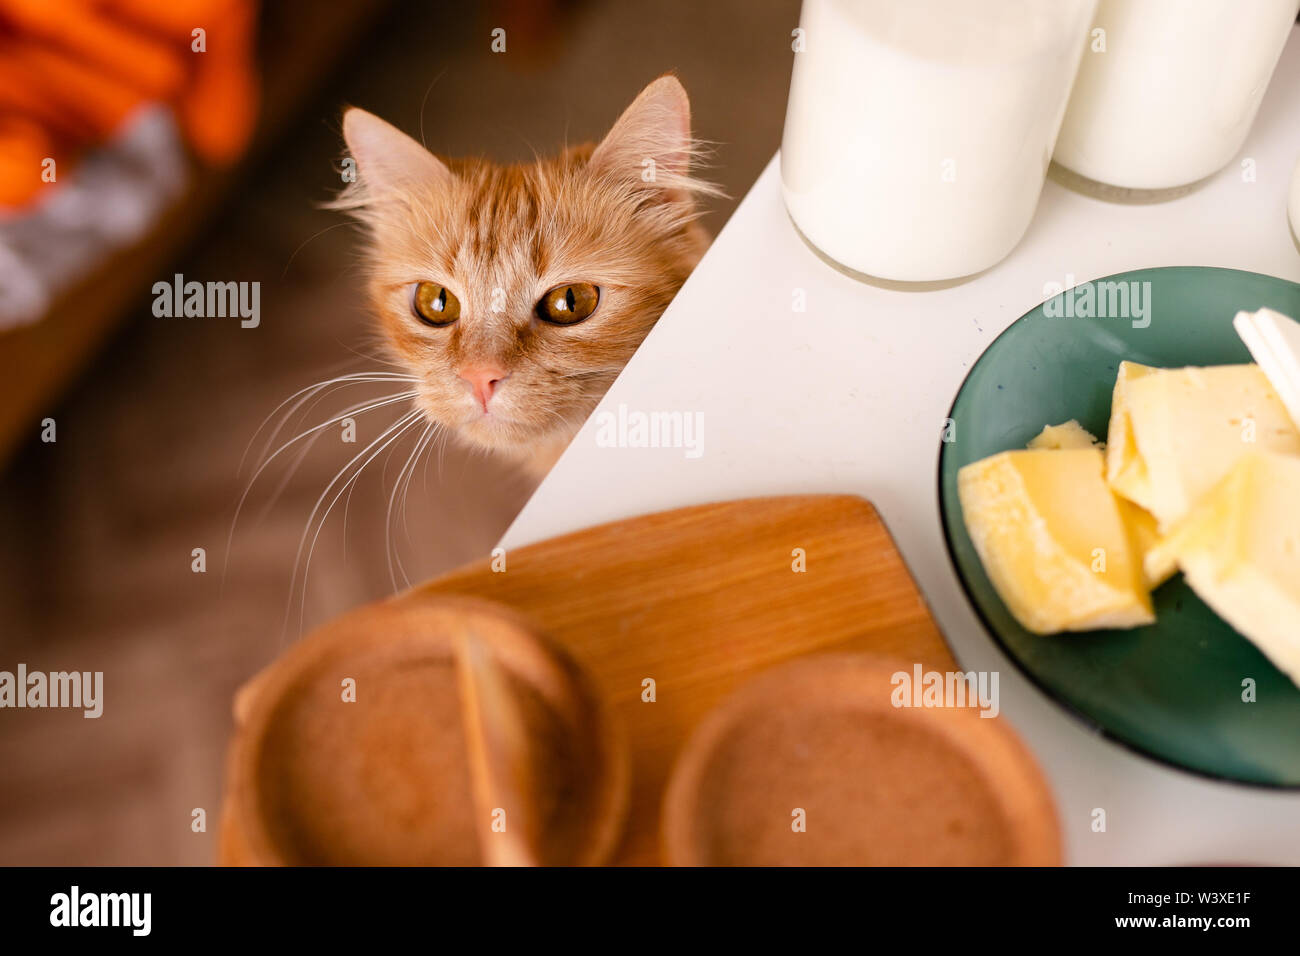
[[918, 133], [1168, 88]]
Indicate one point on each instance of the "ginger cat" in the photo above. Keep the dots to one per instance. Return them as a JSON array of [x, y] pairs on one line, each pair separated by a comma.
[[514, 295]]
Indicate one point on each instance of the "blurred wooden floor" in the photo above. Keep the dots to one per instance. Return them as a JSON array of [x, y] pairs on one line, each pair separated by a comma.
[[97, 529]]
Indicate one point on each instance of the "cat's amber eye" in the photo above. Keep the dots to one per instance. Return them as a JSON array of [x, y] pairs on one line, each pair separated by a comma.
[[570, 303], [434, 304]]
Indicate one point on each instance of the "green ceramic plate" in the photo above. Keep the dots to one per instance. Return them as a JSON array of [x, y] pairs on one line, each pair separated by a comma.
[[1173, 690]]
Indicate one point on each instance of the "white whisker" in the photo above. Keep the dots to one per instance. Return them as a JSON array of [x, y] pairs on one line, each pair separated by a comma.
[[408, 469], [354, 378], [315, 432], [317, 391], [388, 436]]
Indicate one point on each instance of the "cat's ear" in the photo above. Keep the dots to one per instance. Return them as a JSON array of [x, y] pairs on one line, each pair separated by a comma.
[[388, 161], [651, 142]]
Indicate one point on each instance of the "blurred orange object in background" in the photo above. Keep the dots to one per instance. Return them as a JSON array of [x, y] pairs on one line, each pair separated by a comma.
[[71, 73]]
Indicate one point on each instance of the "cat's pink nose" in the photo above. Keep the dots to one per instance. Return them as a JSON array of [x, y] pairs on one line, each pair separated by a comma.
[[483, 379]]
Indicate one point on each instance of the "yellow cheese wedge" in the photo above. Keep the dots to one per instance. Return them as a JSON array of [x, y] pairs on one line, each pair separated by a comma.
[[1157, 565], [1055, 540], [1065, 435], [1175, 432], [1125, 467], [1143, 527], [1239, 550]]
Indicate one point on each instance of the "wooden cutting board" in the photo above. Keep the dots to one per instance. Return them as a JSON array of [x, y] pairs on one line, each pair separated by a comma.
[[700, 599]]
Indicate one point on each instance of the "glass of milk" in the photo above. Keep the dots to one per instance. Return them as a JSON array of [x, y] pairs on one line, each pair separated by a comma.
[[918, 133], [1168, 89]]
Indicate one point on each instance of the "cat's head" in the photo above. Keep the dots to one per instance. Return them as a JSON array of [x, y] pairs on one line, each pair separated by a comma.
[[516, 294]]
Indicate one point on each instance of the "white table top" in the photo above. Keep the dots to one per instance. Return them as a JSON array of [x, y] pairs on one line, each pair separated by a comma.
[[849, 396]]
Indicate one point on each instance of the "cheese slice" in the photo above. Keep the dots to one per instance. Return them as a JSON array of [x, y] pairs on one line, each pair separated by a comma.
[[1175, 432], [1125, 467], [1065, 435], [1239, 550], [1157, 566], [1143, 527], [1055, 540]]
